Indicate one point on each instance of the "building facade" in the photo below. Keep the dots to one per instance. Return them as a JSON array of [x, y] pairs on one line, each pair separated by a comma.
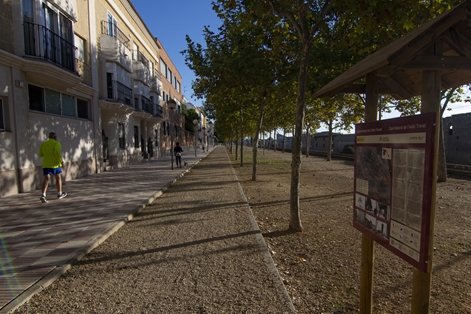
[[90, 72], [172, 127], [457, 138]]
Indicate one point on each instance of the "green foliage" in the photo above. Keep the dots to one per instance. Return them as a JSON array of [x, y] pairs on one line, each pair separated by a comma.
[[190, 115]]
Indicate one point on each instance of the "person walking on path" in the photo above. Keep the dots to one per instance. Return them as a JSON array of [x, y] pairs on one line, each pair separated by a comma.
[[50, 151], [178, 154]]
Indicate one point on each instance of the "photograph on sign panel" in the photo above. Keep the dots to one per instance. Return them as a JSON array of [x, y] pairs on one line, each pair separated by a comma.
[[382, 229], [370, 166], [370, 222], [383, 211], [360, 201], [360, 217]]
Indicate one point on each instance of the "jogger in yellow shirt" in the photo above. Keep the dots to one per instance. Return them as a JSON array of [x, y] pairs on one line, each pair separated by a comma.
[[50, 151]]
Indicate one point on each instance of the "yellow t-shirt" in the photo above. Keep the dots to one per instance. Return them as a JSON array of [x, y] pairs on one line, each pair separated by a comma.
[[50, 151]]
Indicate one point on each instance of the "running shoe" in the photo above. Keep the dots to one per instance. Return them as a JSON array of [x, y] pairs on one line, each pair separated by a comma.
[[62, 195]]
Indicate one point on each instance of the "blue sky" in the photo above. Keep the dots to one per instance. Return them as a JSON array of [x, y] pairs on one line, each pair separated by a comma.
[[171, 21]]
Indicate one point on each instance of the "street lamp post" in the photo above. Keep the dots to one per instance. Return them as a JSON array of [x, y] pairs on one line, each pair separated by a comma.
[[195, 122], [171, 105]]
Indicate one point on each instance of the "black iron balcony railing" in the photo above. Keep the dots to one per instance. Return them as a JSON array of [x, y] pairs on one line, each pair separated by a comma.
[[124, 93], [142, 58], [158, 111], [110, 29], [43, 43], [146, 104]]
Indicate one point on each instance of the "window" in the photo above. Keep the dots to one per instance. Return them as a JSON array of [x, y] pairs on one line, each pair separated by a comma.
[[68, 106], [2, 116], [28, 11], [121, 138], [36, 98], [170, 78], [53, 102], [151, 68], [109, 85], [80, 44], [163, 68], [58, 47], [82, 109], [135, 51], [164, 127], [136, 136], [112, 26]]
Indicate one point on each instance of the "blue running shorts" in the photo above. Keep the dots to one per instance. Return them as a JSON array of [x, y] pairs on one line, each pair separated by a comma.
[[52, 171]]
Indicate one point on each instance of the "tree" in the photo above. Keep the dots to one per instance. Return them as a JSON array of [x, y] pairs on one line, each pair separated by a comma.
[[307, 22], [190, 115], [276, 39]]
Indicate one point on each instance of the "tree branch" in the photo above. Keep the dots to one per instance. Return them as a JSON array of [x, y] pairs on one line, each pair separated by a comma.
[[325, 11], [287, 15]]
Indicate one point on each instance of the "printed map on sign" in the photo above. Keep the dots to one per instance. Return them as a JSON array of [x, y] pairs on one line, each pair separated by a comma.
[[392, 176]]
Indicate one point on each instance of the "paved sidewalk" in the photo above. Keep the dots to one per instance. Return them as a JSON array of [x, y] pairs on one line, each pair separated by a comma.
[[39, 242]]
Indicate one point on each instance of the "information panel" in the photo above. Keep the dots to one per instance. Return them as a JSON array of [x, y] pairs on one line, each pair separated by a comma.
[[393, 184]]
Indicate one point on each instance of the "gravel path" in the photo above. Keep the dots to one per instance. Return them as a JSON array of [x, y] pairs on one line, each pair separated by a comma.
[[196, 249]]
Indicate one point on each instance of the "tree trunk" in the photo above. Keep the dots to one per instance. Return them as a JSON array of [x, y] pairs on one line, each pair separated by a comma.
[[284, 140], [231, 139], [441, 173], [295, 218], [255, 145], [237, 146], [307, 142], [329, 150], [241, 145]]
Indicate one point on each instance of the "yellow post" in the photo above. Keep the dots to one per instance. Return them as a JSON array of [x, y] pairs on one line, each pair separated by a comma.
[[366, 277]]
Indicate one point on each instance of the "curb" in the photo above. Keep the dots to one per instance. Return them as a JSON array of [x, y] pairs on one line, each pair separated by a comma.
[[283, 294]]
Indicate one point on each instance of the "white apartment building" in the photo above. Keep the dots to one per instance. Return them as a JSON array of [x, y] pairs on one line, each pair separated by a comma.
[[85, 69]]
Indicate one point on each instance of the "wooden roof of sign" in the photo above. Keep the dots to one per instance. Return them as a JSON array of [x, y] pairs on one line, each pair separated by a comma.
[[399, 65]]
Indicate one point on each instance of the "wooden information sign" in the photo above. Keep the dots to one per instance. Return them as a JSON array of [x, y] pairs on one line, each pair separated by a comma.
[[393, 184]]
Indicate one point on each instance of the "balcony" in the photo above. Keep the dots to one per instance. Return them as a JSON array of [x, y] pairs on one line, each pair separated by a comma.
[[146, 104], [119, 97], [115, 45], [140, 68], [158, 111], [156, 84], [142, 107], [43, 43]]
